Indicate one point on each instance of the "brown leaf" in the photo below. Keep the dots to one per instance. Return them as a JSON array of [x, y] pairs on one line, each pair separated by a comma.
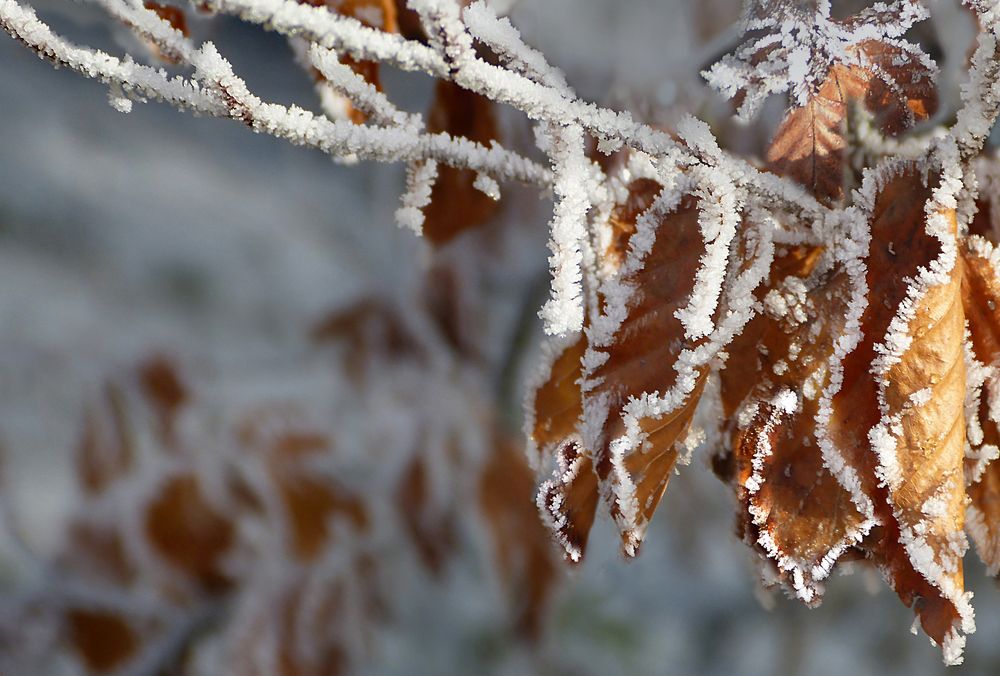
[[642, 192], [309, 503], [104, 640], [568, 499], [188, 532], [980, 296], [901, 91], [456, 204], [431, 530], [633, 455], [796, 511], [640, 358], [520, 542], [558, 404], [163, 388], [898, 422], [104, 452], [809, 146]]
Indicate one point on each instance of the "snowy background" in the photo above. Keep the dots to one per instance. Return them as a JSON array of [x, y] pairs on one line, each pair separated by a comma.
[[123, 235]]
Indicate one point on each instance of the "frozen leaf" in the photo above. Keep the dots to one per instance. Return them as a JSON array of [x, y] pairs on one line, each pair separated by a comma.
[[898, 419], [456, 204], [431, 529], [810, 144], [309, 503], [981, 295], [641, 194], [630, 426], [161, 383], [796, 512]]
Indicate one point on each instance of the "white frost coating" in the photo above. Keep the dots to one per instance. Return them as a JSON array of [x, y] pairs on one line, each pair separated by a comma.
[[719, 218], [852, 248], [980, 382], [564, 311], [981, 95], [551, 496], [806, 576], [485, 184], [362, 94], [420, 178], [506, 42]]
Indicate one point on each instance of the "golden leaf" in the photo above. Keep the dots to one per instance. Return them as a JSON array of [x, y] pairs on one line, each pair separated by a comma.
[[898, 420]]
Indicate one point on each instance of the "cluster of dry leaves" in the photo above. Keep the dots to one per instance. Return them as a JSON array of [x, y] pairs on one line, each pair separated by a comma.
[[267, 529], [846, 437]]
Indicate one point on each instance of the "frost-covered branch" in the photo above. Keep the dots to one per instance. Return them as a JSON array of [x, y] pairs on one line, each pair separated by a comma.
[[217, 91], [981, 95]]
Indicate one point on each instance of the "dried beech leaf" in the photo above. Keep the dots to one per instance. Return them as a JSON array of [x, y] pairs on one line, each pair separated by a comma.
[[809, 145], [104, 452], [161, 384], [641, 358], [981, 295], [898, 419], [188, 532], [97, 551], [520, 542], [567, 499], [456, 204], [796, 512], [431, 530], [557, 405], [104, 640], [310, 503], [642, 192]]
